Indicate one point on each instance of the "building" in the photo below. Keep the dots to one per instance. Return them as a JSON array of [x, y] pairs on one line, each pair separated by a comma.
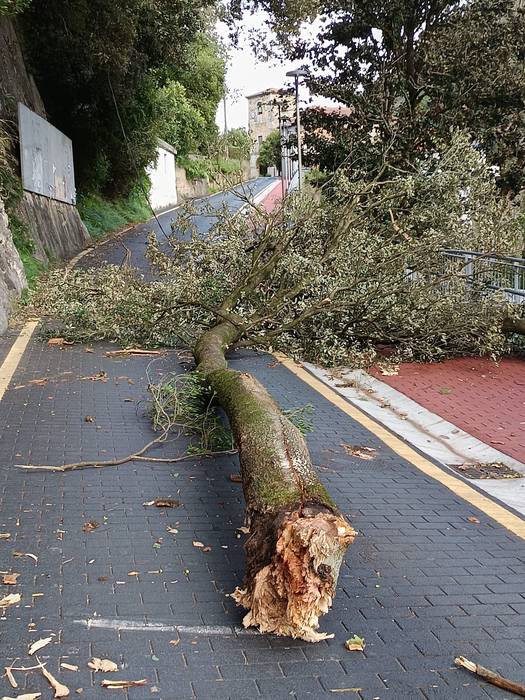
[[264, 110], [162, 175]]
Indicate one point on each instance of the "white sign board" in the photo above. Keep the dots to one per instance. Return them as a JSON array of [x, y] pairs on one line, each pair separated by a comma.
[[46, 157]]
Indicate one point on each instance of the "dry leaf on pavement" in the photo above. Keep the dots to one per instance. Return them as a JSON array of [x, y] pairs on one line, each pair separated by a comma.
[[236, 478], [26, 554], [10, 677], [174, 642], [61, 690], [98, 377], [123, 684], [90, 526], [89, 419], [366, 453], [355, 643], [166, 503], [59, 341], [10, 579], [389, 370], [69, 667], [473, 519], [11, 599], [104, 665], [5, 535], [39, 645]]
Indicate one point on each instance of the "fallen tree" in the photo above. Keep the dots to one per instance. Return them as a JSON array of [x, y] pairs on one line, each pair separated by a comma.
[[297, 535], [325, 280]]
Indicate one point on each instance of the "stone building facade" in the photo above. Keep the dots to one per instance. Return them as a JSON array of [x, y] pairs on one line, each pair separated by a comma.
[[263, 118]]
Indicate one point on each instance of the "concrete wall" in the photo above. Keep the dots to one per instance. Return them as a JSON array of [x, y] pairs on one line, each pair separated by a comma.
[[190, 189], [163, 177], [55, 227]]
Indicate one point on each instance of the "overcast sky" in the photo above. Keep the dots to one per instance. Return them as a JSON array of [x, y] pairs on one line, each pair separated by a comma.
[[246, 76]]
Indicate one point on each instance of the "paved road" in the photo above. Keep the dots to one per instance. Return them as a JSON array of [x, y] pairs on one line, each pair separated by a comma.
[[130, 248], [422, 583]]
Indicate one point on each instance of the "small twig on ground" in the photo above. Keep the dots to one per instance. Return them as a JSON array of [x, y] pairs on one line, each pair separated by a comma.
[[137, 456], [491, 676]]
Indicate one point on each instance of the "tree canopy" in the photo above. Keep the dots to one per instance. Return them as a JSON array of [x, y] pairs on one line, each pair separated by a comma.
[[270, 152], [89, 55], [410, 72]]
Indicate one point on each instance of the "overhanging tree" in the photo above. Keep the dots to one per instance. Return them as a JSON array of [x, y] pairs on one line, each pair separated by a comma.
[[88, 54], [410, 72]]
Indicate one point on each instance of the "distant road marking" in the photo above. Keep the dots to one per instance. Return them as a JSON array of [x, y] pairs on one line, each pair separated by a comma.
[[493, 510], [140, 626], [13, 357]]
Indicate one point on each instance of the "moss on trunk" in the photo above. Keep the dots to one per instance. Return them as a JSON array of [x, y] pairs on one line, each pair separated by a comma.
[[297, 536]]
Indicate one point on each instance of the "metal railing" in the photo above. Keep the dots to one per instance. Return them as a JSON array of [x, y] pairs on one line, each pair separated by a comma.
[[490, 271]]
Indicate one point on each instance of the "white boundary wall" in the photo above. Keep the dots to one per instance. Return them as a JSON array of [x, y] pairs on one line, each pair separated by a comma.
[[162, 174]]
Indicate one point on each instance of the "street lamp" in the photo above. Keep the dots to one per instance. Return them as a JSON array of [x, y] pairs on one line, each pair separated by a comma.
[[296, 74]]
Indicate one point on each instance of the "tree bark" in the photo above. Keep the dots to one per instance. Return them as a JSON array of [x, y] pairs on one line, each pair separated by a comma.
[[298, 537]]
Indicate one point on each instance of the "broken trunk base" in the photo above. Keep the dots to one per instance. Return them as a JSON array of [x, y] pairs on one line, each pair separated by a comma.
[[288, 595]]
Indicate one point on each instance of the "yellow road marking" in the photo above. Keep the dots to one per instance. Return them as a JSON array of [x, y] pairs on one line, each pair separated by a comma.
[[13, 357], [498, 513]]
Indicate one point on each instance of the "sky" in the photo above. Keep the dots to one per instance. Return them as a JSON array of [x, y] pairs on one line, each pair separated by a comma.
[[245, 76]]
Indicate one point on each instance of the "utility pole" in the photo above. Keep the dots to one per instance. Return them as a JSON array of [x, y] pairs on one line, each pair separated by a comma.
[[296, 74], [227, 148]]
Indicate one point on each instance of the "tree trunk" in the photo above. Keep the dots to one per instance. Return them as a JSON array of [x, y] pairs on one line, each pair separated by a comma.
[[297, 536]]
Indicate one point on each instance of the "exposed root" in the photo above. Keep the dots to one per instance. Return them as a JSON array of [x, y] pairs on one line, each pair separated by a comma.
[[288, 595]]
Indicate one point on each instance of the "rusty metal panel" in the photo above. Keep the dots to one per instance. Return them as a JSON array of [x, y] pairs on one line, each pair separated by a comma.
[[46, 157]]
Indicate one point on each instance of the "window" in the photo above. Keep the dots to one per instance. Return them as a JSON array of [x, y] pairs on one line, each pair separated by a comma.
[[259, 108]]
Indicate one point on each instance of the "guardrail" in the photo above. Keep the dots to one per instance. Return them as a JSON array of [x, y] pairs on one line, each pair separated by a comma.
[[491, 271]]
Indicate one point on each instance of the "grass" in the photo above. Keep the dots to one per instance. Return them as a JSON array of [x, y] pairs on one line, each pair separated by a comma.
[[205, 168], [102, 216]]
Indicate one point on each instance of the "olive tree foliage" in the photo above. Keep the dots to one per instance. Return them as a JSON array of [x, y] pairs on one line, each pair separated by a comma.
[[326, 281]]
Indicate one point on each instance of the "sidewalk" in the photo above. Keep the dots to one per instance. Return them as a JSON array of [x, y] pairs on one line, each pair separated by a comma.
[[480, 396]]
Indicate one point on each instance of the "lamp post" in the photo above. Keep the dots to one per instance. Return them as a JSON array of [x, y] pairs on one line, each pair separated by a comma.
[[296, 74], [277, 103]]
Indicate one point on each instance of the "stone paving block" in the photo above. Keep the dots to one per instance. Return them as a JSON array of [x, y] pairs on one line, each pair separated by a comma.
[[413, 544]]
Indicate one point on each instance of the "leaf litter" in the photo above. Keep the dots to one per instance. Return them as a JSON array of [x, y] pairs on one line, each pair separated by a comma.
[[366, 453], [123, 684], [10, 599], [39, 644], [355, 643], [104, 665]]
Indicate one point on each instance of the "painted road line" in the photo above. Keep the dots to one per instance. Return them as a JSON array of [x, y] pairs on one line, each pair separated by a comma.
[[492, 509], [13, 357]]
